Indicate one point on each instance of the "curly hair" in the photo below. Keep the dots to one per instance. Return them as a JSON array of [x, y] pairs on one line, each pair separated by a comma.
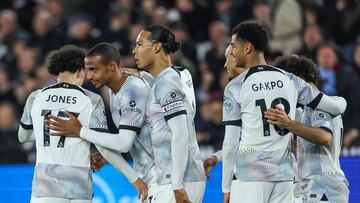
[[68, 58], [253, 32], [300, 66]]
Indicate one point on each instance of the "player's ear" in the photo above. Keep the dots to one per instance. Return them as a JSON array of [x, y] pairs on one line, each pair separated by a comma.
[[113, 66], [157, 47], [248, 48]]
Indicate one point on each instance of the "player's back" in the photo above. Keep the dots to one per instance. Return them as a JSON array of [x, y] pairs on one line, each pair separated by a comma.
[[264, 150], [62, 164]]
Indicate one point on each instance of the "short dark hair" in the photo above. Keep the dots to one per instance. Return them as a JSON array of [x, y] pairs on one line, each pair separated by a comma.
[[253, 32], [163, 35], [300, 66], [107, 52], [68, 58]]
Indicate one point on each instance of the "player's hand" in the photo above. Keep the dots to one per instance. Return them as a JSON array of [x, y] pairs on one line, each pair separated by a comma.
[[97, 162], [209, 164], [226, 197], [68, 128], [130, 72], [141, 188], [181, 196], [277, 116]]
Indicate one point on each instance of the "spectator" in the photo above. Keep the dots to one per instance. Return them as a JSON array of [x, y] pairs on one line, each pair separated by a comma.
[[339, 79]]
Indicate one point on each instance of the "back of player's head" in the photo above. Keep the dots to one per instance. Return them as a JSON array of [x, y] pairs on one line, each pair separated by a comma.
[[106, 51], [164, 36], [253, 32], [68, 58], [300, 66]]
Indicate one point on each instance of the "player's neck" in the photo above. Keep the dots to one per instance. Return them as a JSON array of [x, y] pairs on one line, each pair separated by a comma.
[[69, 78], [160, 64], [117, 82], [255, 60]]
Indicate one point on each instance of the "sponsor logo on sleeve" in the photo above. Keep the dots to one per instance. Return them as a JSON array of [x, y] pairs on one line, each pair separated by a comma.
[[173, 105]]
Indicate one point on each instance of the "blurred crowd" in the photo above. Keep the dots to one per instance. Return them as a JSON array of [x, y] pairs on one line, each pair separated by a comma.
[[326, 31]]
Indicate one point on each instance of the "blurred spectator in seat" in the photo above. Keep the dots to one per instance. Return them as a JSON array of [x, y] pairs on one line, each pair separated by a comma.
[[339, 79], [286, 26], [7, 93], [80, 27], [10, 151], [312, 38], [215, 58], [8, 27]]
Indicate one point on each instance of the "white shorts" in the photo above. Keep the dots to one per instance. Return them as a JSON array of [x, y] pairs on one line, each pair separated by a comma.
[[152, 193], [325, 188], [57, 200], [195, 191], [271, 192]]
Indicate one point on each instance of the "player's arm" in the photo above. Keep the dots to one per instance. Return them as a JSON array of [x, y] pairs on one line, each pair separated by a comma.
[[211, 162], [313, 98], [172, 100], [25, 132], [321, 135], [133, 115], [232, 122]]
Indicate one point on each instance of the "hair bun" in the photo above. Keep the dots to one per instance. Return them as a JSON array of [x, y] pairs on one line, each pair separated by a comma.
[[175, 47]]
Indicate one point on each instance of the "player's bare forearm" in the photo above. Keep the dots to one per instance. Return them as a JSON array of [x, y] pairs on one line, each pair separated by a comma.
[[68, 128], [226, 197], [315, 135], [209, 164], [181, 196]]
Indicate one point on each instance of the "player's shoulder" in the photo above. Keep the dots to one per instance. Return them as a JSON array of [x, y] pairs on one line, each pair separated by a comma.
[[136, 83], [92, 95], [235, 84], [147, 77], [319, 115]]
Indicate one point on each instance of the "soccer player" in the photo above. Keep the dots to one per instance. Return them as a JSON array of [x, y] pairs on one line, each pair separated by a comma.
[[180, 174], [233, 72], [318, 142], [128, 103], [62, 171], [264, 170]]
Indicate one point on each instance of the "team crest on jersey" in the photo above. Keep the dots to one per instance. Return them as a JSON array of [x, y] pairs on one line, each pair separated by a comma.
[[173, 95], [173, 105]]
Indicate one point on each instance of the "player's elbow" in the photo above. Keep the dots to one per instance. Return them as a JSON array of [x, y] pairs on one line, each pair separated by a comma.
[[327, 141]]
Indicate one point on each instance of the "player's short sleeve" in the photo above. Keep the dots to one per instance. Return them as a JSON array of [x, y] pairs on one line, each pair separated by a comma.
[[231, 109], [98, 116], [307, 94], [133, 105], [26, 119], [170, 96], [322, 120]]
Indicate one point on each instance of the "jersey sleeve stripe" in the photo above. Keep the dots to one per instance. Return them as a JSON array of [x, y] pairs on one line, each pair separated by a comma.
[[235, 122], [326, 129], [128, 127], [168, 117], [26, 127], [103, 130], [313, 104]]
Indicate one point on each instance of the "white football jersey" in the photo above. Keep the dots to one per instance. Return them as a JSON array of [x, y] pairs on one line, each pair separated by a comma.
[[173, 94], [264, 150], [62, 163], [317, 159], [128, 110]]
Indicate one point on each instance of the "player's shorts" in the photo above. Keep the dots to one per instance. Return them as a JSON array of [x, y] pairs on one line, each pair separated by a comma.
[[152, 193], [272, 192], [325, 188], [56, 200], [194, 190]]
